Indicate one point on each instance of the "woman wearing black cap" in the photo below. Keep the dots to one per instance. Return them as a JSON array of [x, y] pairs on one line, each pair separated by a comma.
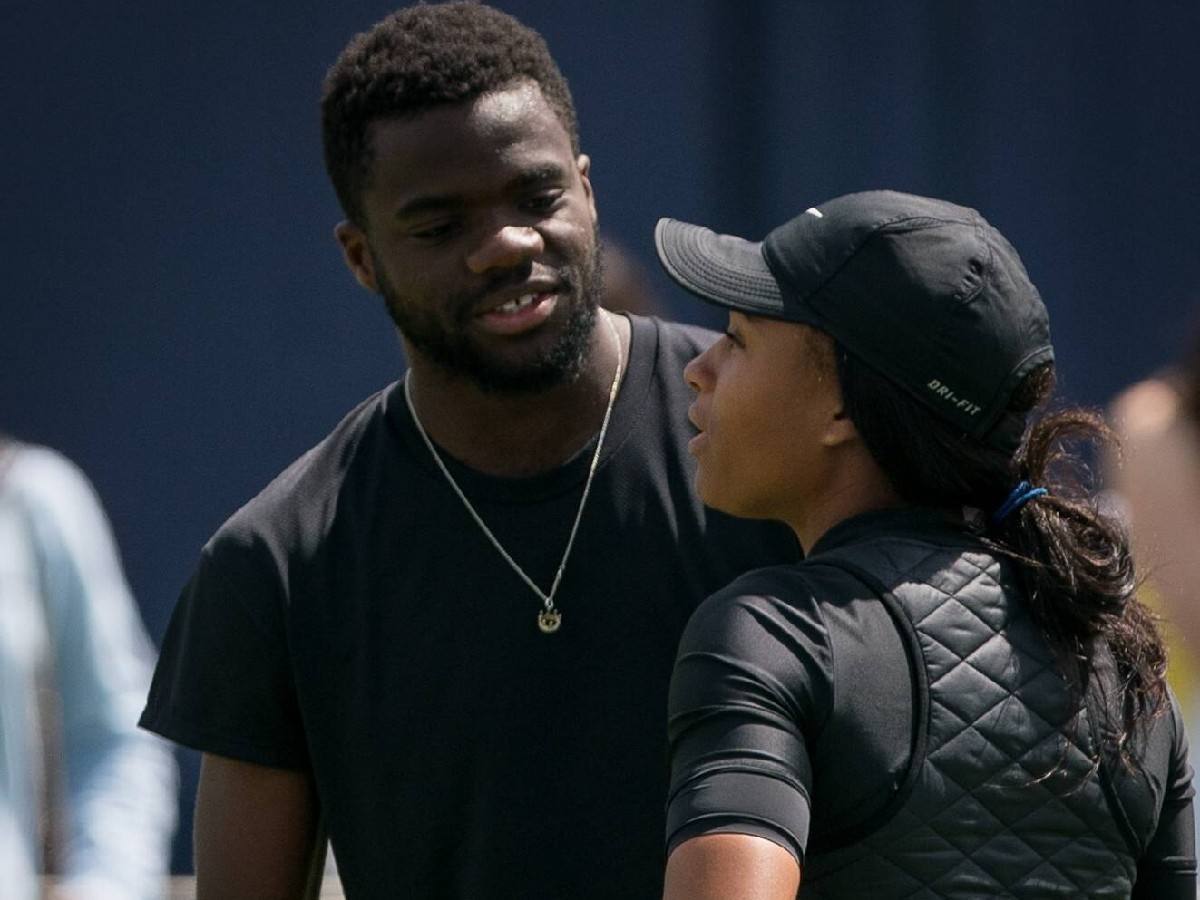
[[956, 695]]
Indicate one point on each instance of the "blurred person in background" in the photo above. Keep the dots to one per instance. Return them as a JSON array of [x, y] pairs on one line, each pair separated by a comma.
[[1156, 481], [69, 631]]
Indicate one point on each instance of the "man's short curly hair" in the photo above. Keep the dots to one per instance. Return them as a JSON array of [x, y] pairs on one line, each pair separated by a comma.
[[421, 57]]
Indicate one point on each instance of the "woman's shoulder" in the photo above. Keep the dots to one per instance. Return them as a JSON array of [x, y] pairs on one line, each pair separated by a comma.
[[795, 607], [774, 604]]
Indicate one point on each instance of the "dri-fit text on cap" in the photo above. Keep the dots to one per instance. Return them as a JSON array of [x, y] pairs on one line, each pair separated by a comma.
[[949, 396]]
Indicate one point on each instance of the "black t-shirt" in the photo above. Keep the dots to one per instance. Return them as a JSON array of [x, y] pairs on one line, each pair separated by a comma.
[[791, 712], [354, 621]]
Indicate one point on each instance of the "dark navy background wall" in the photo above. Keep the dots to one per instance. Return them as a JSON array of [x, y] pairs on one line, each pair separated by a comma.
[[175, 316]]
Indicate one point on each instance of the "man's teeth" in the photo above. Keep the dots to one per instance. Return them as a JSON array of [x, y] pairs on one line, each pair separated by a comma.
[[520, 303]]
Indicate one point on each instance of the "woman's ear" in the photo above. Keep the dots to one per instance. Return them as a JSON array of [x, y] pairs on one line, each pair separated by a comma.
[[839, 429]]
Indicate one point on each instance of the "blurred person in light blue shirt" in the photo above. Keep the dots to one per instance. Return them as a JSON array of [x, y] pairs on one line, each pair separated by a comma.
[[67, 619]]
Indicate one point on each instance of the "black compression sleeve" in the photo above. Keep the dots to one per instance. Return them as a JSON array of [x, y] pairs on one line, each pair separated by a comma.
[[751, 680]]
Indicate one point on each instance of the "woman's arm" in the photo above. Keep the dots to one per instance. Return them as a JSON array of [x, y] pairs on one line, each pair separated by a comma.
[[731, 867], [1167, 870]]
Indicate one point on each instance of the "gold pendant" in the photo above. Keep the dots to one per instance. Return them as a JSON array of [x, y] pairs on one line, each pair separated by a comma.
[[549, 620]]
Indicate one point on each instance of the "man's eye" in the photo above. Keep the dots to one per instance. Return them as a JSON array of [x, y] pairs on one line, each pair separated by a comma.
[[733, 338], [542, 203]]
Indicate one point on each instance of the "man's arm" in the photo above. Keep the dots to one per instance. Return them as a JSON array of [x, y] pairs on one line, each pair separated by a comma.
[[731, 867], [256, 834]]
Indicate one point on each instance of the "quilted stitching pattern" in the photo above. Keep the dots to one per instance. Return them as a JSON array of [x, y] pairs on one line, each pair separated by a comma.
[[1003, 806]]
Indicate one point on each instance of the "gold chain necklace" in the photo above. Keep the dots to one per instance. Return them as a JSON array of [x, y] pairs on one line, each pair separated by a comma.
[[549, 618]]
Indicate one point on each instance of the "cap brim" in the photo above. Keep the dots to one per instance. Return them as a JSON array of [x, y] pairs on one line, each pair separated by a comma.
[[719, 268]]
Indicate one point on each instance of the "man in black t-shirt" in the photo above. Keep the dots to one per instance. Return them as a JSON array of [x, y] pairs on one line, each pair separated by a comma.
[[446, 632]]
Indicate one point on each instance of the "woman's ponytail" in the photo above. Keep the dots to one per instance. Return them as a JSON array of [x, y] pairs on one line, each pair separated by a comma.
[[1077, 566], [1074, 559]]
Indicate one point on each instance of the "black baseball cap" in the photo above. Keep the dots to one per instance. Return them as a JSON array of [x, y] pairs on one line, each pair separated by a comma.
[[925, 292]]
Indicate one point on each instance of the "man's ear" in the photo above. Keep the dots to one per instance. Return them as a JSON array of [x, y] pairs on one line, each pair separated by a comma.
[[584, 164], [356, 251]]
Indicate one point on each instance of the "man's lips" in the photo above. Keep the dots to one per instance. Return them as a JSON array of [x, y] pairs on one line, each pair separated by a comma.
[[509, 298], [520, 314], [518, 303]]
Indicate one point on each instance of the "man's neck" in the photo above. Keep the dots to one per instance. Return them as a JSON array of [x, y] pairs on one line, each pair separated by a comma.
[[522, 434]]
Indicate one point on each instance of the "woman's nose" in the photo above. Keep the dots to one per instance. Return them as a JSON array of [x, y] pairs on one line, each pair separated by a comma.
[[697, 373]]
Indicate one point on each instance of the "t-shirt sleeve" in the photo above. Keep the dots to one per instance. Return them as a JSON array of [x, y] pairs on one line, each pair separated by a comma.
[[224, 681], [1167, 870], [751, 683]]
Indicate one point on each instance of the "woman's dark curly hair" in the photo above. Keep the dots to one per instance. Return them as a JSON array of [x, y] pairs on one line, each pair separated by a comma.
[[421, 57]]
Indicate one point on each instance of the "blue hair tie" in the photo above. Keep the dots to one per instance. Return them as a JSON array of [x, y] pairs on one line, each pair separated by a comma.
[[1019, 496]]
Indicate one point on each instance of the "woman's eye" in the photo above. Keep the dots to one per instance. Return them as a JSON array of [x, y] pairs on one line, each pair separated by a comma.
[[434, 232]]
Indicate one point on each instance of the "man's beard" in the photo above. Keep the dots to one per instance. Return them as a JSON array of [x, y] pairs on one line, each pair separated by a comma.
[[447, 343]]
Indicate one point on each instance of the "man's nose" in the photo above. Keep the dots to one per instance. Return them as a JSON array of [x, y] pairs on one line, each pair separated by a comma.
[[506, 247]]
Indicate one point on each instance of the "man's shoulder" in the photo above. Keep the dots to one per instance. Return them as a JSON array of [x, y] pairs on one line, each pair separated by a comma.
[[300, 500], [679, 340], [661, 351]]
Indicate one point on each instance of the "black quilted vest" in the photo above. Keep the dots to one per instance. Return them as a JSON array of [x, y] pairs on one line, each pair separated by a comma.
[[1001, 798]]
